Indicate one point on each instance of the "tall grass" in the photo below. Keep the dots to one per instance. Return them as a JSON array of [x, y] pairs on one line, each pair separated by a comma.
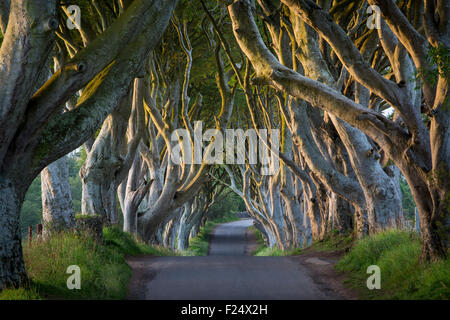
[[263, 251], [104, 271], [334, 241], [403, 276]]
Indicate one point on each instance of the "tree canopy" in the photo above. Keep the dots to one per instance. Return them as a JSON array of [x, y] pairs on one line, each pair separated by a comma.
[[346, 102]]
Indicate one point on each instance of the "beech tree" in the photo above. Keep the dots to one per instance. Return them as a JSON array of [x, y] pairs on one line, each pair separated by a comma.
[[33, 130], [181, 182], [351, 103], [421, 154]]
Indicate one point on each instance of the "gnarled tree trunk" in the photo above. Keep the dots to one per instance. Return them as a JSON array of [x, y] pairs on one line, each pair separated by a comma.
[[57, 205]]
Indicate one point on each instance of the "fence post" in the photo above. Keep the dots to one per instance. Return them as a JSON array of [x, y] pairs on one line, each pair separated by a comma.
[[39, 231], [30, 235]]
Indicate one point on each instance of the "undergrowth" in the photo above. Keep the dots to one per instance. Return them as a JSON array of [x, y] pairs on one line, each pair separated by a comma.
[[402, 275], [104, 271], [263, 251]]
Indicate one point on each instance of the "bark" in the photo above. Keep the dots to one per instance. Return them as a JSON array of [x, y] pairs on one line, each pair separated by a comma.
[[326, 172], [275, 211], [382, 198], [131, 193], [293, 209], [110, 158], [341, 214], [183, 232], [421, 154], [4, 15], [12, 266], [195, 229], [191, 217], [171, 231], [57, 206], [28, 27]]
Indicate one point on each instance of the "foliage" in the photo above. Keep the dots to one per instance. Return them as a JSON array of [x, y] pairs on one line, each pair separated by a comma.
[[74, 163], [408, 203], [402, 275], [436, 56], [104, 271], [31, 213], [226, 207], [199, 245]]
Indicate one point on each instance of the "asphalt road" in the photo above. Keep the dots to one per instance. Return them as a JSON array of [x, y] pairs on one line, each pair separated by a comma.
[[229, 239], [225, 274]]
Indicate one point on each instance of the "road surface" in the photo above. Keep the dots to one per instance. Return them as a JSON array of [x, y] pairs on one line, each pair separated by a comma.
[[225, 274], [230, 239]]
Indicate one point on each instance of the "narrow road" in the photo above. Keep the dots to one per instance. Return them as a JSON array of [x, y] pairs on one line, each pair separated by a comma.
[[230, 239], [225, 274]]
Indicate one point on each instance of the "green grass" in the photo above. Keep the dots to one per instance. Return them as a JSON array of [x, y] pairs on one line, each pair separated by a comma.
[[334, 241], [199, 245], [259, 240], [104, 271], [275, 252], [402, 275], [263, 251], [115, 238]]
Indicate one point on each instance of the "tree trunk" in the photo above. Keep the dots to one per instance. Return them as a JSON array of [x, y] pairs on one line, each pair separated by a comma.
[[110, 158], [276, 212], [131, 192], [171, 231], [191, 218], [129, 210], [12, 266], [340, 217], [57, 205], [361, 223], [183, 237], [313, 213], [307, 227]]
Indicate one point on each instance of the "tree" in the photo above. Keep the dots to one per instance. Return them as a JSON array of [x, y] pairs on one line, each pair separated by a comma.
[[33, 130], [424, 164]]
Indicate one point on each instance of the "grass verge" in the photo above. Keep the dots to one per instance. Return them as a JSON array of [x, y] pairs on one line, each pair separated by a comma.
[[402, 275], [263, 251], [104, 271], [334, 241]]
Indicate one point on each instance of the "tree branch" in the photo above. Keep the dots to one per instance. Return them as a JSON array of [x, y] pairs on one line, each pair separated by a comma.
[[67, 131]]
